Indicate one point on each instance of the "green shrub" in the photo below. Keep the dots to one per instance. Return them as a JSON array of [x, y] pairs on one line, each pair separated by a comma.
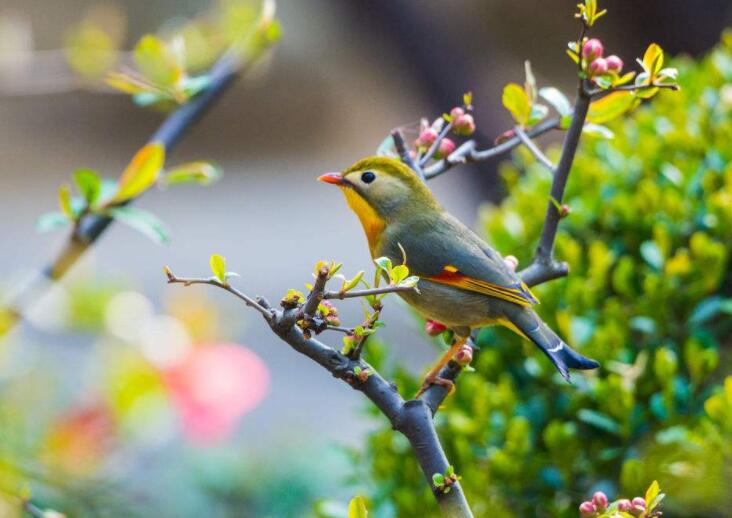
[[649, 295]]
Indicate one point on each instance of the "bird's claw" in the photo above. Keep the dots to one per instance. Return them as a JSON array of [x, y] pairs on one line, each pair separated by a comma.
[[436, 380]]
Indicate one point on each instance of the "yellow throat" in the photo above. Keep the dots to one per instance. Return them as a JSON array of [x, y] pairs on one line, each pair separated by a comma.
[[372, 223]]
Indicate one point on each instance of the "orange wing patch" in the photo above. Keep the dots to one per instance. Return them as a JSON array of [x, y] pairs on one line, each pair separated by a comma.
[[520, 294]]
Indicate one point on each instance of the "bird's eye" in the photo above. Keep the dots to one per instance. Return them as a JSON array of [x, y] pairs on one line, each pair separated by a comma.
[[368, 177]]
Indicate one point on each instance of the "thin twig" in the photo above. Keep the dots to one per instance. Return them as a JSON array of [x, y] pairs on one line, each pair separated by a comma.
[[404, 154], [599, 92], [340, 295], [531, 146], [186, 281]]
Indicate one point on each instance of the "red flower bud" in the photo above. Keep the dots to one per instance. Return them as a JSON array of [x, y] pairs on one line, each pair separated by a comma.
[[600, 500], [592, 49], [427, 137], [564, 210], [624, 505], [447, 146], [598, 67], [614, 63], [433, 328], [587, 509], [639, 504], [456, 113], [464, 356], [464, 125]]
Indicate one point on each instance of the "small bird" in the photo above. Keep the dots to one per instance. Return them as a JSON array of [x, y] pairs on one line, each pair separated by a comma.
[[463, 282]]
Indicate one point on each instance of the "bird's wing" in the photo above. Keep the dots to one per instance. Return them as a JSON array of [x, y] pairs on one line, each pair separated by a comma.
[[452, 254]]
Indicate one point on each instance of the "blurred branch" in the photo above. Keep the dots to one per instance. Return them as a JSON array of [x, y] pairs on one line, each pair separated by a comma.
[[340, 295], [413, 418], [599, 92], [404, 153], [93, 226]]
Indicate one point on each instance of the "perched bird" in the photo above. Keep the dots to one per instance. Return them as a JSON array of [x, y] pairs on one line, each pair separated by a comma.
[[464, 283]]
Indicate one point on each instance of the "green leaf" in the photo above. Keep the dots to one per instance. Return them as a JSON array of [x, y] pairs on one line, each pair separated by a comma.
[[357, 508], [384, 263], [557, 99], [438, 479], [610, 107], [64, 201], [468, 98], [142, 221], [218, 267], [650, 251], [141, 173], [598, 420], [598, 130], [89, 184], [157, 62], [450, 471], [538, 113], [399, 273], [192, 172], [410, 282], [516, 101], [51, 221], [349, 285]]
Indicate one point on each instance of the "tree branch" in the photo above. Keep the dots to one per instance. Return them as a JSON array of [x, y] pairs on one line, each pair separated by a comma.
[[90, 228], [435, 145], [599, 92], [404, 154], [467, 152], [411, 418]]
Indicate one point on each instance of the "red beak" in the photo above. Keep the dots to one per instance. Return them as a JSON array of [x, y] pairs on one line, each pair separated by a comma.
[[334, 178]]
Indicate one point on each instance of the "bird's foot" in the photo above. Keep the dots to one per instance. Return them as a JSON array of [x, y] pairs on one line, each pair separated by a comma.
[[435, 380]]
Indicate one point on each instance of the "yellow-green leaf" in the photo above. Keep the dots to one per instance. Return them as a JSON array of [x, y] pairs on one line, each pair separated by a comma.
[[357, 508], [218, 267], [64, 201], [193, 172], [652, 492], [157, 62], [653, 60], [89, 50], [128, 84], [349, 285], [399, 273], [517, 102], [610, 107], [141, 173]]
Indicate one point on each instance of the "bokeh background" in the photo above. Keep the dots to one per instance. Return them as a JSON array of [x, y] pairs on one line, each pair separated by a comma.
[[81, 377]]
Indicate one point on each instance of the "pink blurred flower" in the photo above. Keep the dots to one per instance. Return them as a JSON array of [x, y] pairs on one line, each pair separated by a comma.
[[592, 49], [614, 63], [215, 385], [434, 328]]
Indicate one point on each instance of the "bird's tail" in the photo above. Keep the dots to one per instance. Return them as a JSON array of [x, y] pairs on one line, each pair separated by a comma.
[[561, 355]]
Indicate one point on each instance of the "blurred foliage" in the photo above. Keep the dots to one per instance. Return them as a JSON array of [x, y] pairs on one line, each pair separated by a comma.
[[110, 409], [649, 295]]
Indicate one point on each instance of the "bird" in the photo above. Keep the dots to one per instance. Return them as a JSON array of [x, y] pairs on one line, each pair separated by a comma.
[[464, 283]]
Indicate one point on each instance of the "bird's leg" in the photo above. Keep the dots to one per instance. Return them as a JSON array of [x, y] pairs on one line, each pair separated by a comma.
[[433, 376]]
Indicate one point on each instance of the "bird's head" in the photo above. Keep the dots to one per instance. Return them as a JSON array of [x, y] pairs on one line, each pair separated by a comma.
[[381, 187]]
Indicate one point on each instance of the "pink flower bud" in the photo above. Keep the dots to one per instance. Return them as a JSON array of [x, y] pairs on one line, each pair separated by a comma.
[[592, 49], [464, 125], [587, 509], [433, 328], [624, 505], [511, 262], [639, 504], [427, 137], [456, 113], [614, 63], [598, 67], [464, 356], [600, 500], [564, 210], [447, 146]]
